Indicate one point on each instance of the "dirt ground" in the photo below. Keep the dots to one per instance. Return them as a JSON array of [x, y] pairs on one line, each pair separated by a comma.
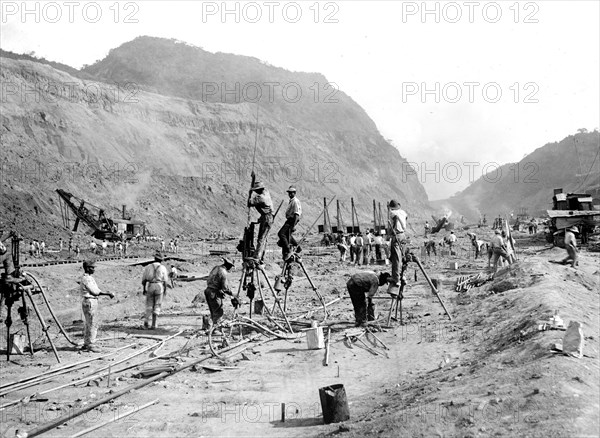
[[487, 372]]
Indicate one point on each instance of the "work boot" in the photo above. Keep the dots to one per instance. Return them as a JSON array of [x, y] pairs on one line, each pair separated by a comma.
[[154, 322]]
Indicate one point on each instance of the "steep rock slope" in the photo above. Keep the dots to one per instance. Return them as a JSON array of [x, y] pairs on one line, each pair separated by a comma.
[[178, 163]]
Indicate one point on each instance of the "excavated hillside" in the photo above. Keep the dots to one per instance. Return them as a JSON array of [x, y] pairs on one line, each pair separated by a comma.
[[182, 164], [572, 164]]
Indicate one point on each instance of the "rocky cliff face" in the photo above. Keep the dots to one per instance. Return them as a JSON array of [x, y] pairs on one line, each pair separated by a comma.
[[177, 162]]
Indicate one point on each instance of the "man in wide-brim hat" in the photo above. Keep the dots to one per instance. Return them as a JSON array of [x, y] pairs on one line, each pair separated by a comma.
[[397, 232], [292, 217], [217, 287], [261, 201]]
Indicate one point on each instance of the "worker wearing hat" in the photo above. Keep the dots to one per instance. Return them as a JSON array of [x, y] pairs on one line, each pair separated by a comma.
[[90, 292], [398, 223], [571, 247], [216, 288], [154, 287], [261, 201], [292, 217], [499, 252]]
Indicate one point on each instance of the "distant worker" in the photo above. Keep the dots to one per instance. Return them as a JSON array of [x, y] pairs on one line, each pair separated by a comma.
[[476, 243], [430, 246], [427, 228], [362, 286], [173, 276], [260, 199], [359, 244], [352, 244], [154, 287], [104, 246], [397, 232], [451, 240], [571, 247], [378, 242], [162, 245], [292, 217], [90, 292], [498, 249], [343, 248], [217, 287]]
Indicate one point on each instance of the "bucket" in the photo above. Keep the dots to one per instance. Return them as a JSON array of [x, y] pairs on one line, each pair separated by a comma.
[[314, 337], [334, 404], [259, 306]]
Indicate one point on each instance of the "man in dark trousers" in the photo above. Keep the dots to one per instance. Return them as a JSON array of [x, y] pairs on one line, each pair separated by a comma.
[[216, 289], [398, 225], [362, 286], [292, 217], [261, 201]]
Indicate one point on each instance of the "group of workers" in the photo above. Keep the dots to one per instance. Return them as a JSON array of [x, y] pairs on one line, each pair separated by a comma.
[[362, 286]]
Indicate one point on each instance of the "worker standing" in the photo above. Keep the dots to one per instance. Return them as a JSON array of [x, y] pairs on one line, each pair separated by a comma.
[[399, 220], [360, 244], [154, 285], [451, 241], [498, 249], [173, 276], [571, 247], [261, 201], [292, 217], [362, 286], [216, 289], [90, 292], [427, 228]]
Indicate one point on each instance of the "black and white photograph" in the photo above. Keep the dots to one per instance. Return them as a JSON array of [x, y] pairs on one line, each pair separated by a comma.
[[303, 218]]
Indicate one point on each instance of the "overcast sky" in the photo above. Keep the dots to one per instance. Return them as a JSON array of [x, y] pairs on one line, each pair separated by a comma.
[[543, 57]]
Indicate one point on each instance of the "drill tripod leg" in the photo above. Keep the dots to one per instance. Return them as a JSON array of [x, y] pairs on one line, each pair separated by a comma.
[[43, 324], [26, 322], [433, 289], [277, 300], [262, 297], [314, 288], [393, 302], [8, 323]]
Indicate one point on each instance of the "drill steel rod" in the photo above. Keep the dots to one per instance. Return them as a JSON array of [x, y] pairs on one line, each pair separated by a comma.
[[58, 324]]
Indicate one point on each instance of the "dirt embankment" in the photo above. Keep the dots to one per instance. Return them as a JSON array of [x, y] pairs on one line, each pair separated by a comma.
[[488, 372]]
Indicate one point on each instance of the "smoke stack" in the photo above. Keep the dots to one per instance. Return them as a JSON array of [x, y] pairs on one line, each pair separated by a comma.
[[124, 207]]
